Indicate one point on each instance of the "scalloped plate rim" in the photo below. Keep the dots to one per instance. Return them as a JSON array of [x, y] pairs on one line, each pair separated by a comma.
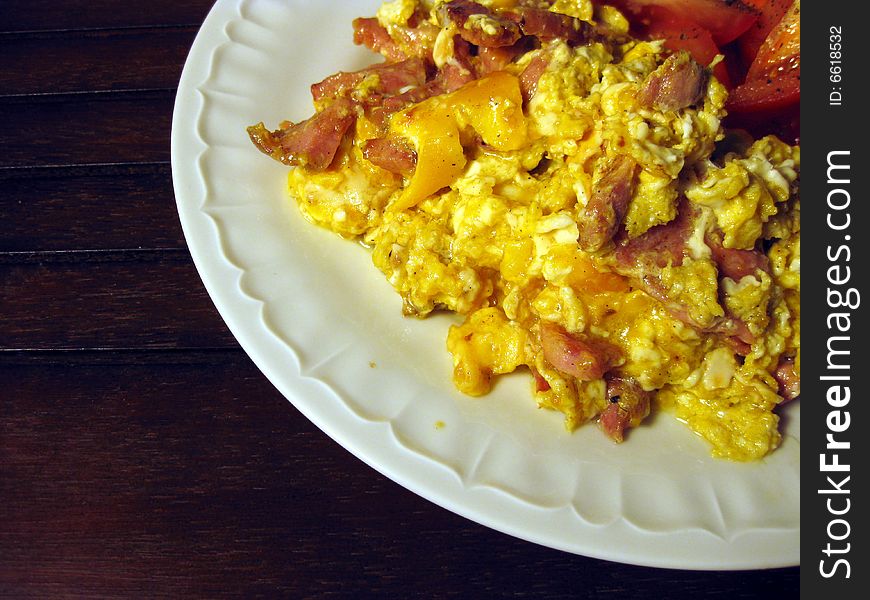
[[481, 503]]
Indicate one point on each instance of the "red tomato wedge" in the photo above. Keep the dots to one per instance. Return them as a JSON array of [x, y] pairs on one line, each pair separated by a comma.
[[769, 99], [726, 20], [765, 106], [770, 12], [781, 50], [766, 93]]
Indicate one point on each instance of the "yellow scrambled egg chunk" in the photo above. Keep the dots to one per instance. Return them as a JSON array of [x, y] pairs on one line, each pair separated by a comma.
[[693, 298]]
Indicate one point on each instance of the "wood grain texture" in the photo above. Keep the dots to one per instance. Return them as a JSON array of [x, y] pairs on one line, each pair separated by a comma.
[[201, 480], [81, 129], [71, 15], [122, 59], [119, 300], [104, 207]]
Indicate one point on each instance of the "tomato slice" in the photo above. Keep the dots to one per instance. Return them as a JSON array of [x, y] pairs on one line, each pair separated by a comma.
[[781, 50], [768, 105], [766, 94], [680, 33], [770, 12], [726, 20], [774, 77]]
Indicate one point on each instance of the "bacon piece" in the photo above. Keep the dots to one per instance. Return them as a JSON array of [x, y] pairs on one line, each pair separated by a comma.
[[448, 79], [736, 263], [659, 246], [739, 346], [531, 75], [541, 384], [478, 25], [490, 60], [629, 405], [611, 193], [614, 421], [371, 34], [380, 115], [678, 83], [496, 59], [418, 37], [310, 143], [735, 332], [573, 356], [392, 104], [652, 285], [788, 379], [391, 78], [547, 25], [390, 154], [732, 329], [460, 70], [641, 258]]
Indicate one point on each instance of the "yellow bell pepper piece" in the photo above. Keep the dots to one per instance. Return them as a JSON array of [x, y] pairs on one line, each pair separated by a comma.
[[492, 106]]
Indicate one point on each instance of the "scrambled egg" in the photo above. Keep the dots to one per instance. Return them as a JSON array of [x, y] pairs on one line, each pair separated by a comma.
[[487, 225]]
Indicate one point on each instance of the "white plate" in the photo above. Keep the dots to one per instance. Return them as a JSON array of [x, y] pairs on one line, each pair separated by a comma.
[[326, 329]]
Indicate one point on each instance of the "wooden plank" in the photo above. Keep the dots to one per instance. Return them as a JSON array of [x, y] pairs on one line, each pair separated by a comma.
[[202, 481], [142, 358], [93, 61], [89, 208], [85, 129], [41, 15], [140, 300]]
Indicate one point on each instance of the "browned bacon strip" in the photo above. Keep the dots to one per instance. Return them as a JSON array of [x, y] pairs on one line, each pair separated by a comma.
[[629, 405], [449, 78], [678, 83], [531, 75], [496, 59], [641, 258], [788, 379], [661, 245], [460, 70], [736, 263], [730, 328], [390, 154], [368, 32], [735, 332], [412, 96], [380, 114], [310, 143], [417, 37], [547, 25], [391, 78], [607, 206], [477, 24], [541, 384], [573, 356]]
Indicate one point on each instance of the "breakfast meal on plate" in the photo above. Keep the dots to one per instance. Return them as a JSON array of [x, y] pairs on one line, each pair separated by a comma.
[[605, 192]]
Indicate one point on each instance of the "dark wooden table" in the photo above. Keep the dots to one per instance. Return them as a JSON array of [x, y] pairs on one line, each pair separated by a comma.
[[142, 454]]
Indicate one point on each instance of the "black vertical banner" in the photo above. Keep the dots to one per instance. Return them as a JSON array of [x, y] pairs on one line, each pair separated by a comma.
[[835, 273]]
